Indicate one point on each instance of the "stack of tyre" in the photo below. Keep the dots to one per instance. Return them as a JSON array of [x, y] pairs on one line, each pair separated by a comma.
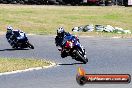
[[43, 2]]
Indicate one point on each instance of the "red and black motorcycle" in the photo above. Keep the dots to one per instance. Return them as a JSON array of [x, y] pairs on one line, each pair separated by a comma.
[[73, 48]]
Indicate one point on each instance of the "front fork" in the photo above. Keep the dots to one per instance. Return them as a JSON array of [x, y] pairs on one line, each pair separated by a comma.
[[83, 50]]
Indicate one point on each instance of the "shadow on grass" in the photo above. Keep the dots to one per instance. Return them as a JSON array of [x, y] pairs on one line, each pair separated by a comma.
[[12, 49], [71, 63]]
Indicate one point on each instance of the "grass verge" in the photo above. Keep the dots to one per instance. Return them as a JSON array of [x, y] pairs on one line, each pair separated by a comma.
[[46, 19], [13, 64]]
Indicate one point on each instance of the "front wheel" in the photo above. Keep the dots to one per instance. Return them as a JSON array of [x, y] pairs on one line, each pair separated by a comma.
[[81, 57], [30, 45]]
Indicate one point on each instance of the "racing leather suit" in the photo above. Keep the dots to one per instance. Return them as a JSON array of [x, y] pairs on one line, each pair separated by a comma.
[[14, 37], [58, 42]]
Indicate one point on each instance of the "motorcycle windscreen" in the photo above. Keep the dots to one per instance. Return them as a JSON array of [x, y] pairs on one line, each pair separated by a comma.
[[68, 38]]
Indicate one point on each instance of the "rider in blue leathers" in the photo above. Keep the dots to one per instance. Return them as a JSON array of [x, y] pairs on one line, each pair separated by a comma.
[[59, 39], [13, 36]]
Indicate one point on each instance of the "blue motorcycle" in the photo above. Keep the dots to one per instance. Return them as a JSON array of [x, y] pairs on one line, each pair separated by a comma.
[[20, 41], [73, 48]]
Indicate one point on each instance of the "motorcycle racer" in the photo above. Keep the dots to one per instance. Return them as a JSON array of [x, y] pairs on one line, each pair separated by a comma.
[[59, 39], [13, 36]]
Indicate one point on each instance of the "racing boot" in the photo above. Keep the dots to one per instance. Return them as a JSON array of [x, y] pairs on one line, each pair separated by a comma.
[[64, 54]]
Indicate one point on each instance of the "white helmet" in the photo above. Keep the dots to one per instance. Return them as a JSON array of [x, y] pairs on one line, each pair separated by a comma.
[[10, 29], [60, 30]]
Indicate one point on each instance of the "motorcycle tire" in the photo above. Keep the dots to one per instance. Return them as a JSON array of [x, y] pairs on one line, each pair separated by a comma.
[[30, 45], [81, 58]]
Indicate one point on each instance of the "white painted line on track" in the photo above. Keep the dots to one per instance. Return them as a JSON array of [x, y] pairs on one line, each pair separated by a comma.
[[29, 69], [116, 37]]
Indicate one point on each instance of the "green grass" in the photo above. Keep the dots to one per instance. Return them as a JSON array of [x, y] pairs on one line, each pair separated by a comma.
[[46, 19], [13, 64]]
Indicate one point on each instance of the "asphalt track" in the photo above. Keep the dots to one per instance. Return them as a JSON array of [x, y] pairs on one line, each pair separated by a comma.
[[106, 56]]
